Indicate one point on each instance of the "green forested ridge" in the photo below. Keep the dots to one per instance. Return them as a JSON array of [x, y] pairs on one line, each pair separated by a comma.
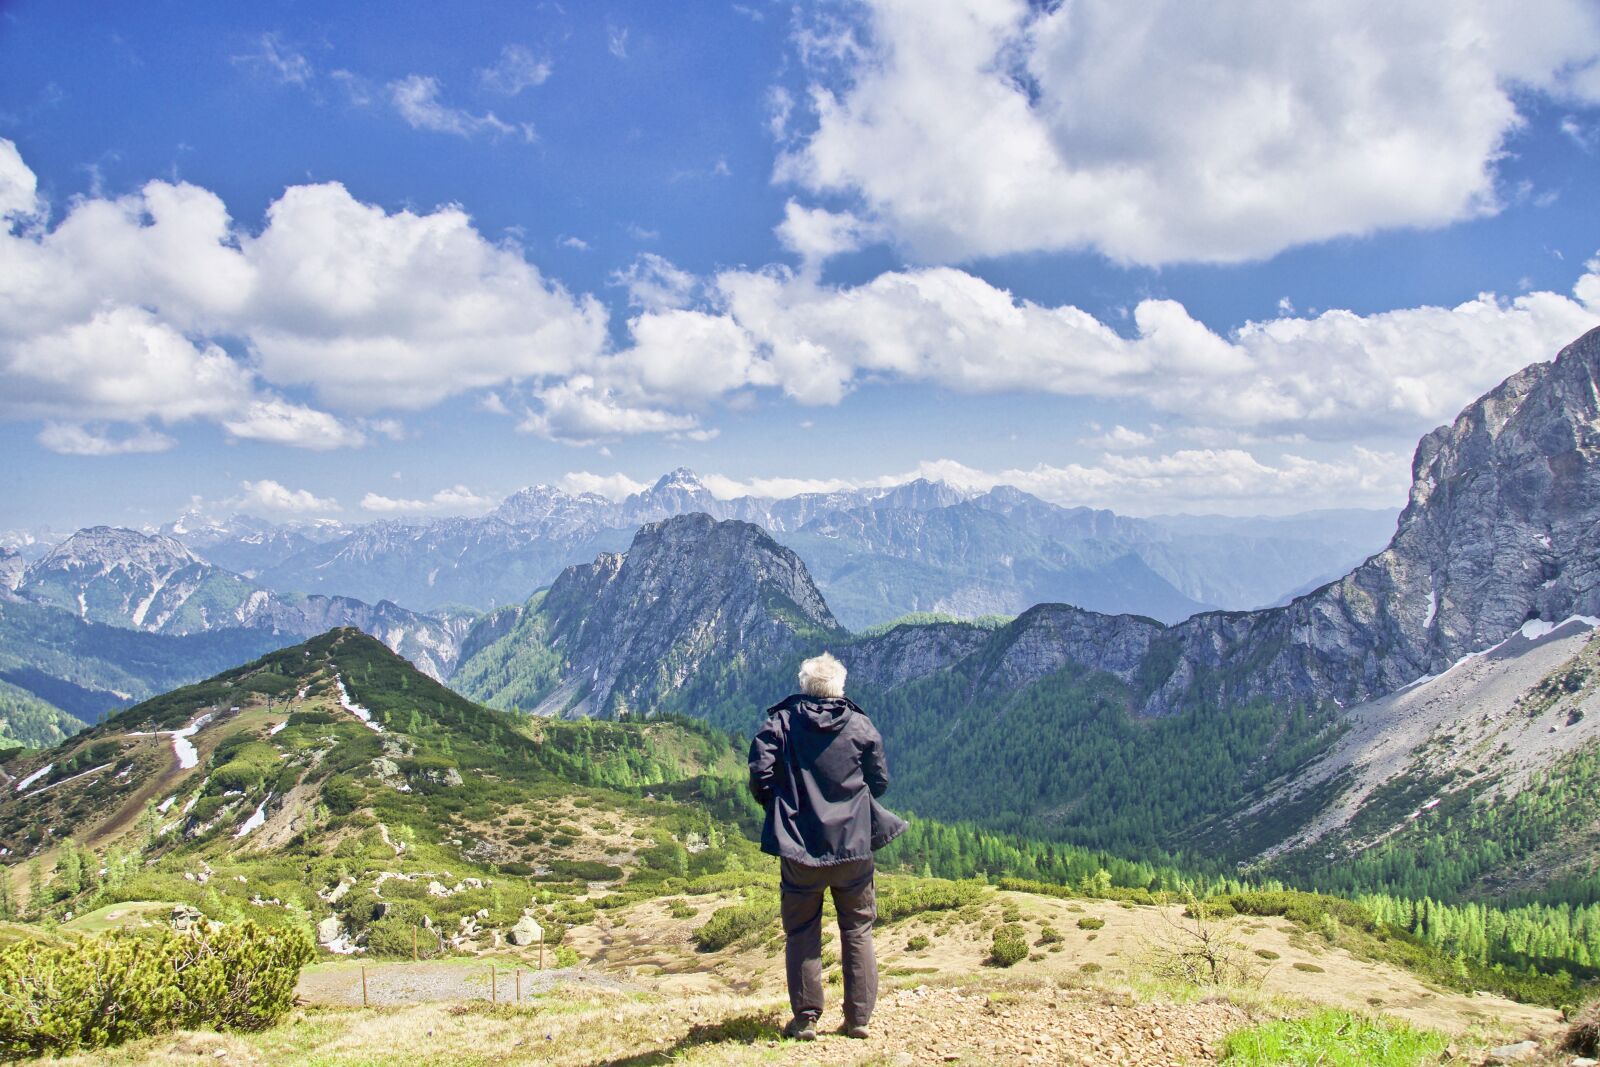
[[89, 669], [27, 719], [1475, 843]]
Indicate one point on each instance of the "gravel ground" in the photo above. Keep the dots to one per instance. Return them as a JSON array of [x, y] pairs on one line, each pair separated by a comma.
[[393, 984]]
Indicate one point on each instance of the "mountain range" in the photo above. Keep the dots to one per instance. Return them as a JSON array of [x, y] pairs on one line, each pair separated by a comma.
[[877, 553], [1120, 731]]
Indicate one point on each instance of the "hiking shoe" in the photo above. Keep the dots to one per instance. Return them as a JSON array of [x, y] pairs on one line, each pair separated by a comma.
[[801, 1028], [858, 1031]]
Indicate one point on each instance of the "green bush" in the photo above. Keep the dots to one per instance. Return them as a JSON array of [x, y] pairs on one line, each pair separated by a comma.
[[901, 897], [105, 990], [731, 924], [1049, 935], [390, 938], [1010, 945], [917, 943], [1090, 923]]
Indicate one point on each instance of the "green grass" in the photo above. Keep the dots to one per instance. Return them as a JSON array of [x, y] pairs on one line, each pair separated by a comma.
[[1332, 1038]]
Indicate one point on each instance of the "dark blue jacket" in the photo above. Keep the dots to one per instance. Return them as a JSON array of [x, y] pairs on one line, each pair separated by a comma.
[[817, 766]]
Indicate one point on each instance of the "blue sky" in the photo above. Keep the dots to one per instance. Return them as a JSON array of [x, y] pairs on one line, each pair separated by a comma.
[[375, 260]]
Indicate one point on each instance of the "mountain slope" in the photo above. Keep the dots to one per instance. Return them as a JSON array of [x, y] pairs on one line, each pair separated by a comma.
[[156, 584], [1119, 731], [694, 604]]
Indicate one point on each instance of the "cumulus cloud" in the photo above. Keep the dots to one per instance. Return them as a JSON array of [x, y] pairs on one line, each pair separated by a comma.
[[1337, 375], [516, 69], [278, 421], [455, 500], [136, 309], [268, 495], [582, 410], [74, 439], [610, 486], [416, 98], [1169, 131], [817, 234], [1120, 439], [19, 187]]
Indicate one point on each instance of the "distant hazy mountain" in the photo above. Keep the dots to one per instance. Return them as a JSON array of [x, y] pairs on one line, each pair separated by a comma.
[[156, 584], [877, 553]]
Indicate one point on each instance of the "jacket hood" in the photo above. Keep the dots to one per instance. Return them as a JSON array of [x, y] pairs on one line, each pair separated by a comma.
[[824, 713]]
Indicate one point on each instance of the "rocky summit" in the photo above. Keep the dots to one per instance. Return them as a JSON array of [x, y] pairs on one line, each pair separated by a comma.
[[691, 597]]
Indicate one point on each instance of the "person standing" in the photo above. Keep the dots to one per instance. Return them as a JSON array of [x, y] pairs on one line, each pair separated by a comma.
[[817, 767]]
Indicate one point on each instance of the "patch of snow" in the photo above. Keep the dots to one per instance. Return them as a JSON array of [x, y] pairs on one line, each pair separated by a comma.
[[166, 804], [1430, 805], [187, 808], [277, 729], [302, 694], [256, 819], [35, 776], [1534, 629], [355, 709], [183, 748], [1433, 607], [83, 606]]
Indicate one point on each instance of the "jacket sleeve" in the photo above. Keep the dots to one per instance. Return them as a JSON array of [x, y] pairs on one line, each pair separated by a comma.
[[766, 748], [874, 767]]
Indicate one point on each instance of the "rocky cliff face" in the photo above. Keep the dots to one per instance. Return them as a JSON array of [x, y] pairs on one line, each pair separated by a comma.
[[1500, 529], [692, 598]]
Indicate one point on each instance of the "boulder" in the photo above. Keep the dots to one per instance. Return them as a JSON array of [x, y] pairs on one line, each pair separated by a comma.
[[328, 930], [1521, 1052], [185, 918], [526, 932]]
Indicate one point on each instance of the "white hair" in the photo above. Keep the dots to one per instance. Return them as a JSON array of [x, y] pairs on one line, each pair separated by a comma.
[[822, 676]]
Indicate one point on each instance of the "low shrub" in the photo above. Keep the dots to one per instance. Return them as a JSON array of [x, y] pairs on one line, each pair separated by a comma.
[[902, 897], [105, 990], [735, 923], [1090, 923], [1583, 1036], [1049, 935], [1010, 945], [917, 943]]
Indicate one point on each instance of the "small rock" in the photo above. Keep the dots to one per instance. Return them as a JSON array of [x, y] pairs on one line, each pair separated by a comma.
[[1583, 1061], [328, 930], [1520, 1052]]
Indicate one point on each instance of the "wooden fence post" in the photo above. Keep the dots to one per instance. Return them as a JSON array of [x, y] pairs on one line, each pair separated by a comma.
[[519, 985], [363, 986], [494, 987], [413, 944]]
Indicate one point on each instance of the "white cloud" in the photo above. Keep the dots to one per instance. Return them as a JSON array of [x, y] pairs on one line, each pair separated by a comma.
[[268, 495], [1338, 375], [516, 69], [816, 234], [455, 500], [416, 98], [577, 243], [278, 421], [1231, 480], [19, 188], [1170, 131], [617, 41], [610, 486], [123, 364], [73, 439], [120, 311], [278, 61], [583, 411], [1120, 439], [654, 284]]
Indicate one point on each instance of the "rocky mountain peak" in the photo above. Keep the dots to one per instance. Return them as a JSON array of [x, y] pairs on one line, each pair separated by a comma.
[[107, 547], [691, 595]]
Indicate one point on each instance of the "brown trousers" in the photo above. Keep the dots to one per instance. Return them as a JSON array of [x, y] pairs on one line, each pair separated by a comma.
[[855, 898]]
